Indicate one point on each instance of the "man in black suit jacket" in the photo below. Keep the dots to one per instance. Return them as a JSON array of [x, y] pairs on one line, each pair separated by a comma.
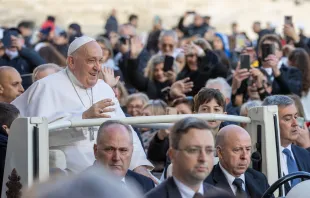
[[191, 152], [233, 145], [256, 183], [285, 79], [288, 114], [113, 150]]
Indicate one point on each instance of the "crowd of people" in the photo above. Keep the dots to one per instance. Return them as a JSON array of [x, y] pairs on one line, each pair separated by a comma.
[[188, 69]]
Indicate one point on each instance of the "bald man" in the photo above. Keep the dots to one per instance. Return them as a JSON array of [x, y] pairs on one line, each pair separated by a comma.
[[76, 93], [10, 84], [232, 173]]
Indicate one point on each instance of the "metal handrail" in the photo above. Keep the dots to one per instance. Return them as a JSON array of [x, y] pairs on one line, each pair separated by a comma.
[[146, 120]]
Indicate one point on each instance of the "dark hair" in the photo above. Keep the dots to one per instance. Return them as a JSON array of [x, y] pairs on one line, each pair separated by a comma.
[[132, 17], [300, 59], [8, 113], [205, 95], [182, 127], [51, 18], [270, 37], [182, 101], [26, 24], [109, 123]]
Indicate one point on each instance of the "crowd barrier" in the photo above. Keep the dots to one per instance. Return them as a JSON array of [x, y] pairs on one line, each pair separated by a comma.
[[27, 156]]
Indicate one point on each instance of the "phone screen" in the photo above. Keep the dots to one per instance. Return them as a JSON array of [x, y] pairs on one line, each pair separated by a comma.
[[288, 20], [267, 49], [301, 122], [168, 63], [245, 61]]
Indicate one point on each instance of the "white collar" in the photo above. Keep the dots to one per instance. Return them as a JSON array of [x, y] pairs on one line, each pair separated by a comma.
[[289, 147], [230, 178], [185, 191], [73, 79], [123, 180]]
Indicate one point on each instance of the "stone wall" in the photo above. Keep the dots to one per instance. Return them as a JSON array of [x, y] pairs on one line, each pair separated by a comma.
[[91, 14]]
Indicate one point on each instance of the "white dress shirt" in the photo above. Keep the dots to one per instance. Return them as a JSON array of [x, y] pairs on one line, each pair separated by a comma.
[[269, 70], [284, 160], [185, 191], [231, 179]]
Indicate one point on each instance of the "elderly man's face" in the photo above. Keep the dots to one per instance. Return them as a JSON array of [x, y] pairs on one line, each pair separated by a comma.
[[85, 64], [193, 159], [289, 131], [10, 86], [114, 149], [167, 45], [235, 155]]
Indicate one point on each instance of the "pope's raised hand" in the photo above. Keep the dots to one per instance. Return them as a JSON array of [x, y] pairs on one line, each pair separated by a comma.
[[99, 109]]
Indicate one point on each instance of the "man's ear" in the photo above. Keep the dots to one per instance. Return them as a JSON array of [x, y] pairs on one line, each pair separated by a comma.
[[227, 101], [95, 150], [219, 152], [70, 62], [171, 154]]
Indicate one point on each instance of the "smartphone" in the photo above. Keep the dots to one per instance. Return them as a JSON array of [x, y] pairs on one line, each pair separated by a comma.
[[288, 20], [245, 62], [191, 12], [171, 111], [267, 49], [301, 122], [168, 63]]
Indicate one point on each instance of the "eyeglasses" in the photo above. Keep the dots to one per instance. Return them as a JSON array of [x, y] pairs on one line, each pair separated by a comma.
[[196, 151]]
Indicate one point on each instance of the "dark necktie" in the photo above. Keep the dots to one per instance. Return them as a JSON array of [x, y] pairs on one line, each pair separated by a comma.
[[198, 195], [240, 193], [291, 165]]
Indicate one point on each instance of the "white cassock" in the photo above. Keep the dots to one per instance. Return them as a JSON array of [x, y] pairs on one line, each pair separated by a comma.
[[56, 97]]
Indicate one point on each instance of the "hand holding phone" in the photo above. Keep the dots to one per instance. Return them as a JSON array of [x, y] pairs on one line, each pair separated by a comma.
[[168, 63], [288, 20], [245, 62], [267, 49]]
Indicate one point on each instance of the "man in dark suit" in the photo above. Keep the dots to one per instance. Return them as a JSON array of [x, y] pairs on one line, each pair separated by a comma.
[[232, 173], [293, 158], [284, 79], [114, 151], [191, 152]]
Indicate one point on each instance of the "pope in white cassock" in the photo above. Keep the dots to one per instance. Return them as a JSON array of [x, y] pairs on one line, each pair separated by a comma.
[[76, 93]]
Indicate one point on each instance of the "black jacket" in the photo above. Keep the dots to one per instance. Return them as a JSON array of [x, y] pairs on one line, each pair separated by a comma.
[[25, 63], [152, 88], [289, 82], [192, 30], [168, 189], [256, 183], [134, 179], [3, 146], [209, 67], [142, 60]]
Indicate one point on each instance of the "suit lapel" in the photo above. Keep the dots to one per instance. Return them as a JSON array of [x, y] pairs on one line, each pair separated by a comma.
[[298, 158], [172, 188], [220, 180], [250, 184]]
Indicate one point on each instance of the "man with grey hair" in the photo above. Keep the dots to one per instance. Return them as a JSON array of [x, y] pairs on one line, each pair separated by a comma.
[[168, 40], [293, 158], [244, 109], [44, 70], [76, 93], [113, 150], [191, 152], [221, 84]]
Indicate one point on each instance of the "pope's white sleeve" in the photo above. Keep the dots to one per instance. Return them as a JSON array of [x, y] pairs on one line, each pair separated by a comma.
[[138, 156]]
